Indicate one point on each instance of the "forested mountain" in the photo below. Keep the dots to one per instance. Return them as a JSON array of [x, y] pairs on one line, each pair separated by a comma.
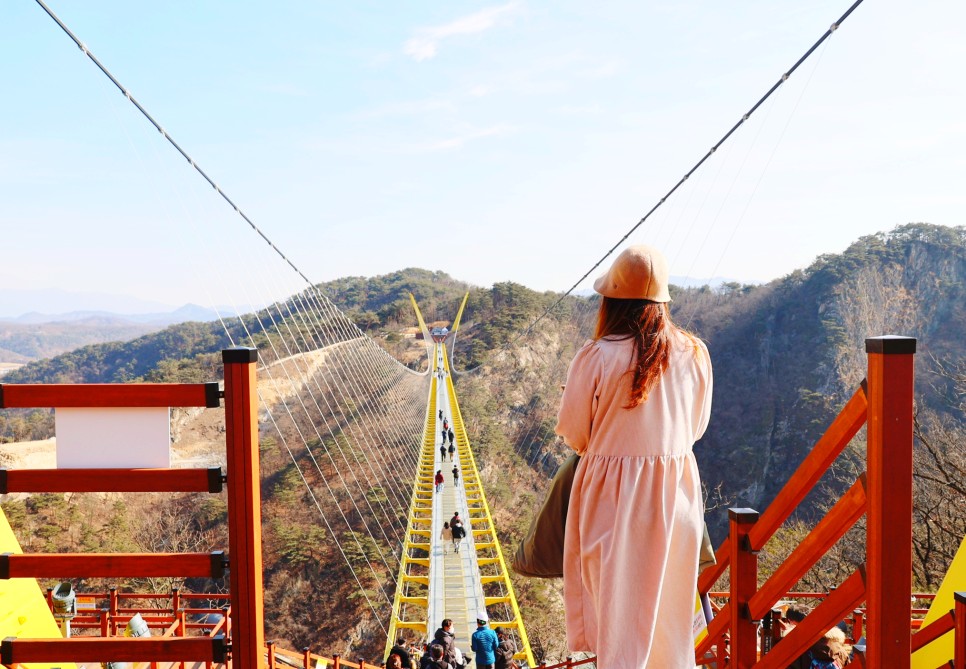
[[33, 335], [786, 356], [21, 342]]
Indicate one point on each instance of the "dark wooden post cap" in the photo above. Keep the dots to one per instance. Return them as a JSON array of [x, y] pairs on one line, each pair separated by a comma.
[[239, 354], [890, 344], [743, 515]]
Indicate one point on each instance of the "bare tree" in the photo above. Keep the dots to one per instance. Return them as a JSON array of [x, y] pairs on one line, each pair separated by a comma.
[[873, 302]]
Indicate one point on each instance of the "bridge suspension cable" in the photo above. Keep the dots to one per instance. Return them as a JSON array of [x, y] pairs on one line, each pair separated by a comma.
[[744, 117], [144, 112], [366, 527], [356, 408]]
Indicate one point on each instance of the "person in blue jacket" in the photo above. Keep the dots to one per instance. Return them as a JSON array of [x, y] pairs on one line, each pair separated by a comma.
[[484, 642]]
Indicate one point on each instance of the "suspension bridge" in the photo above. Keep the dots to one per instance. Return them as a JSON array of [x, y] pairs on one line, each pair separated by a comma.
[[360, 435], [434, 580]]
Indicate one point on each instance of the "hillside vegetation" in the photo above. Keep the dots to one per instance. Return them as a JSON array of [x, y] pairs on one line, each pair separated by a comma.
[[786, 356], [23, 342]]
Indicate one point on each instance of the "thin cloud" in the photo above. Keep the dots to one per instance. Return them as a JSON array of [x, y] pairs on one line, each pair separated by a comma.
[[602, 71], [282, 88], [581, 110], [479, 91], [459, 141], [410, 107], [426, 42]]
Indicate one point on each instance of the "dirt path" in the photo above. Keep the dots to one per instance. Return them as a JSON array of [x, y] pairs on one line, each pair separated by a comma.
[[198, 435]]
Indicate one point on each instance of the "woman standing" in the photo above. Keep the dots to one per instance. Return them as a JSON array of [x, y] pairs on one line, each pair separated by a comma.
[[637, 398]]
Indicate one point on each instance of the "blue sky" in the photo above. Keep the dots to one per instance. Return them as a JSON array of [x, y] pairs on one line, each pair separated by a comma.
[[493, 141]]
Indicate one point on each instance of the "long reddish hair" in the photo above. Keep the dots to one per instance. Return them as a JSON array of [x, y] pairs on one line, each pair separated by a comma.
[[649, 325]]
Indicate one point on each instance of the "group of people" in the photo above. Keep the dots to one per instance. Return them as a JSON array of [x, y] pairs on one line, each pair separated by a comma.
[[830, 652], [443, 450], [447, 432], [492, 649], [438, 480], [453, 531]]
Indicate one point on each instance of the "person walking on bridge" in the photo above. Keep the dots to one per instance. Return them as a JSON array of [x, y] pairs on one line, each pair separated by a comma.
[[433, 658], [451, 436], [446, 639], [484, 642], [439, 480], [458, 533], [452, 450], [446, 535], [504, 651], [638, 395], [442, 452], [456, 475], [405, 661]]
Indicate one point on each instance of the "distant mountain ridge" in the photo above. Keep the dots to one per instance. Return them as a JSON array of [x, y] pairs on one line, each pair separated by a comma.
[[786, 355], [187, 312], [14, 302], [34, 336]]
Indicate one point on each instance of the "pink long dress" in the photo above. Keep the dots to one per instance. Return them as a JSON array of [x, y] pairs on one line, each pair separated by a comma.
[[636, 511]]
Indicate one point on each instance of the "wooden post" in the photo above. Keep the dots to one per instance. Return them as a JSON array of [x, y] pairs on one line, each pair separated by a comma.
[[744, 583], [113, 604], [858, 625], [306, 658], [770, 630], [244, 509], [182, 629], [271, 654], [722, 651], [889, 515], [959, 650]]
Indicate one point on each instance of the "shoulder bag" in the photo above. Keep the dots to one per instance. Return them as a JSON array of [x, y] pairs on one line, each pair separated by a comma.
[[541, 553]]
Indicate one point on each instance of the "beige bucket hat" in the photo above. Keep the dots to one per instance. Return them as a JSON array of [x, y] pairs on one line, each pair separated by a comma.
[[639, 273]]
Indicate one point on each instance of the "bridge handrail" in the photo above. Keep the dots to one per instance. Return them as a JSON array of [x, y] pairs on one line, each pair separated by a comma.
[[308, 660], [833, 609], [834, 525], [516, 624], [428, 446], [954, 621], [845, 426], [885, 403]]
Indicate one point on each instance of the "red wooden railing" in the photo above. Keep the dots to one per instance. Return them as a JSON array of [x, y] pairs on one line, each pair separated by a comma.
[[244, 526], [883, 494], [109, 615]]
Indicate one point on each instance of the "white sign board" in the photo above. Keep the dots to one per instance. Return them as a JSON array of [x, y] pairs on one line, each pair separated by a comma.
[[114, 438]]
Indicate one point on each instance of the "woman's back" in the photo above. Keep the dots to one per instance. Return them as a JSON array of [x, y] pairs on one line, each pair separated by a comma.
[[593, 419], [636, 400]]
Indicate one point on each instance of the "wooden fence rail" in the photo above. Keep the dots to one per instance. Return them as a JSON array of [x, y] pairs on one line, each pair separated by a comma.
[[883, 495]]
